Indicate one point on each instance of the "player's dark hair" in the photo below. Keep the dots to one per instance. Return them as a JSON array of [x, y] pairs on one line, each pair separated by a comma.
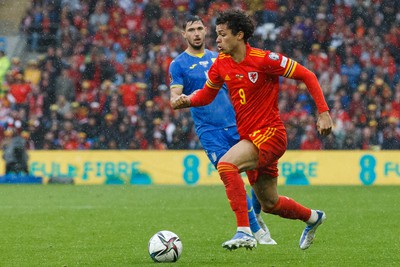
[[190, 19], [237, 21]]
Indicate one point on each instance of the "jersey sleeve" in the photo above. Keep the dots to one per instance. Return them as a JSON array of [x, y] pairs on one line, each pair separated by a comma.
[[175, 74], [278, 64], [281, 65]]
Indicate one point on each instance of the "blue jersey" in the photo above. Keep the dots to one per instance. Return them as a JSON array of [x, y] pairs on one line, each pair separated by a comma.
[[190, 72]]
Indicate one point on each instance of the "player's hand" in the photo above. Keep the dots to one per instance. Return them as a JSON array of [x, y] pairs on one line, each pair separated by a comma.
[[182, 101], [324, 123]]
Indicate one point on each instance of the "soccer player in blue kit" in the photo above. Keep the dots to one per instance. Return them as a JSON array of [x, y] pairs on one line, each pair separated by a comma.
[[215, 128]]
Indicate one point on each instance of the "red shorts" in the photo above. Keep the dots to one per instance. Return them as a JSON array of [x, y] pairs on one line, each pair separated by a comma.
[[271, 143]]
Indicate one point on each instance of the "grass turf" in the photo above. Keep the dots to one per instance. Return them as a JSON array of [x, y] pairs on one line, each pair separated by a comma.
[[59, 225]]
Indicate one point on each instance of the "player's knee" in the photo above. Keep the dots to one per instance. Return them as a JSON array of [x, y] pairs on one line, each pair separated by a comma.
[[244, 155], [269, 204]]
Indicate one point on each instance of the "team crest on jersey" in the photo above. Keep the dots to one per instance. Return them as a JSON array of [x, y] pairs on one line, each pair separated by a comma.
[[273, 56], [253, 76], [204, 63]]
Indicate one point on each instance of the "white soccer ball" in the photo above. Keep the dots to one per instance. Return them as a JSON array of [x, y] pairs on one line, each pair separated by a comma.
[[165, 246]]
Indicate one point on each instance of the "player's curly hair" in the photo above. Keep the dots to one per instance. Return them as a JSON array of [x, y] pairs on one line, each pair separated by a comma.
[[237, 20]]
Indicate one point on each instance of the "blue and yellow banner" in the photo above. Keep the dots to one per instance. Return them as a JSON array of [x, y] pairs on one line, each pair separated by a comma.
[[193, 167], [340, 167]]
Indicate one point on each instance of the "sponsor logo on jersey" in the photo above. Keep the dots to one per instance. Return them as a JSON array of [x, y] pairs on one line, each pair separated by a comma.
[[192, 67], [204, 63], [227, 78], [273, 56], [253, 76]]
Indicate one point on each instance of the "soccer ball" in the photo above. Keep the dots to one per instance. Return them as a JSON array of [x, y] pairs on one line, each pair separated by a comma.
[[165, 246]]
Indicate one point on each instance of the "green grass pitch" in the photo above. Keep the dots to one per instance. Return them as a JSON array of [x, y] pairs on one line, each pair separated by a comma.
[[62, 225]]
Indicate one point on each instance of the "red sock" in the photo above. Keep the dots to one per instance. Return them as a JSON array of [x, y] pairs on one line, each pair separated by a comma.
[[290, 209], [234, 187]]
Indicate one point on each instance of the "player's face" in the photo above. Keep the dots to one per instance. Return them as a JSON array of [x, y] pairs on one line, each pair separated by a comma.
[[226, 41], [194, 34]]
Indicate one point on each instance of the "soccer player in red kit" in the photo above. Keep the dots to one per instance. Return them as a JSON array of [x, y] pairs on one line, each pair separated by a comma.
[[252, 77]]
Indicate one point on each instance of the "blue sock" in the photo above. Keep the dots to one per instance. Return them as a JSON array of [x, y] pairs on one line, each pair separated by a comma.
[[256, 204], [252, 216]]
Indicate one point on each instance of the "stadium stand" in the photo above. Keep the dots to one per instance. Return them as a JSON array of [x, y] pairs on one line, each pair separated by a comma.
[[99, 76]]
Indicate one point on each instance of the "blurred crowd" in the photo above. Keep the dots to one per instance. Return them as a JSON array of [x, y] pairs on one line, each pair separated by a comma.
[[101, 78]]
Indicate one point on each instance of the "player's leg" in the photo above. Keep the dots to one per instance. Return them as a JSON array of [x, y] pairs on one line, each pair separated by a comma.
[[265, 236], [265, 188], [262, 234], [231, 137], [216, 144], [271, 202], [240, 156], [255, 202], [236, 193], [257, 210], [254, 227]]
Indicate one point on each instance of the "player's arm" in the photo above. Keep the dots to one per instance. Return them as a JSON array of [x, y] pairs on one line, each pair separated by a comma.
[[324, 122], [311, 81], [286, 67], [198, 98], [175, 92], [201, 97], [178, 100], [176, 87]]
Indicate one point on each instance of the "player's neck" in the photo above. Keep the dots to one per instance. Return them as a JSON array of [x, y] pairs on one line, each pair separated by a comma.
[[239, 53], [195, 52]]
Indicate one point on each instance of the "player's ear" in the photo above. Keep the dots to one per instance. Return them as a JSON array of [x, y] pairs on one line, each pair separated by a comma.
[[240, 35]]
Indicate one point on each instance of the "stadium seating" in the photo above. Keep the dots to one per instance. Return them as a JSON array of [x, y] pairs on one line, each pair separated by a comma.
[[100, 80]]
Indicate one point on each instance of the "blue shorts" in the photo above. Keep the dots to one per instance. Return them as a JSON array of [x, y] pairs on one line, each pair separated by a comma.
[[217, 142]]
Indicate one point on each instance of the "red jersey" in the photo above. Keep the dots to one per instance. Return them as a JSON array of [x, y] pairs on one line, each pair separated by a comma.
[[253, 85]]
